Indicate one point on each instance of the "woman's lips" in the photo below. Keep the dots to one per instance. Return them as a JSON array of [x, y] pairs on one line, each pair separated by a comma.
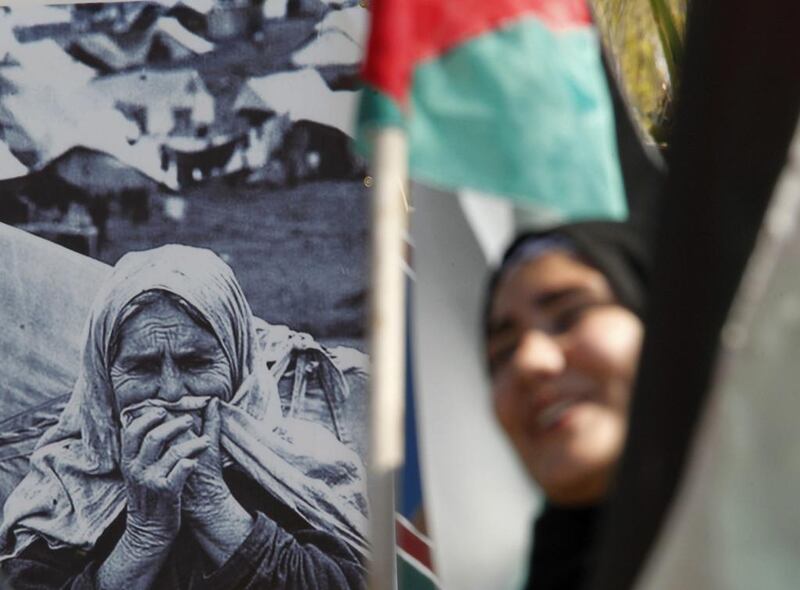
[[552, 414]]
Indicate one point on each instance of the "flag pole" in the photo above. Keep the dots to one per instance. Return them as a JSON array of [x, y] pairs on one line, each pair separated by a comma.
[[387, 346]]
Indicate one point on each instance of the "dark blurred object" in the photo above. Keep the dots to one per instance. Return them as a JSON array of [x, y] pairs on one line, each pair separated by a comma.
[[737, 112], [643, 168]]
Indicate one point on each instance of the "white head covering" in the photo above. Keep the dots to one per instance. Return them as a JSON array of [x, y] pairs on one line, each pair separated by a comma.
[[74, 489]]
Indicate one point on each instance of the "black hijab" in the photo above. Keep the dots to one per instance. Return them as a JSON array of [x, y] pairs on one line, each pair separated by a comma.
[[617, 249]]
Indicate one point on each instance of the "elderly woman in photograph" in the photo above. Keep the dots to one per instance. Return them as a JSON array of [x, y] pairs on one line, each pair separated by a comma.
[[172, 465]]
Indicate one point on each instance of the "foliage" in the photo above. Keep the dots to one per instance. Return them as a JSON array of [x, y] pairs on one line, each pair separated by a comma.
[[644, 39]]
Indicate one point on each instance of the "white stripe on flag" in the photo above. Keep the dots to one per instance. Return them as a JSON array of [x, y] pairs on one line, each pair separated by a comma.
[[479, 505]]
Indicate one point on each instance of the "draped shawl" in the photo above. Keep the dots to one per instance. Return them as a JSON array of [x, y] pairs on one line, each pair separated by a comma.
[[74, 489]]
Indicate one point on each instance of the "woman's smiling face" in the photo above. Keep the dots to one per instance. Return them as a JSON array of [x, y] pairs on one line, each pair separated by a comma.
[[162, 353], [562, 355]]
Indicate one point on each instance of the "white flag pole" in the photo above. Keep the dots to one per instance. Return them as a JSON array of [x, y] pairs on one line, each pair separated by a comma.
[[387, 346]]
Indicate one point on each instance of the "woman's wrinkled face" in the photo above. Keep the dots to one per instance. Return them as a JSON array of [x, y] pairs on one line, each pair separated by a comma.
[[163, 354], [563, 355]]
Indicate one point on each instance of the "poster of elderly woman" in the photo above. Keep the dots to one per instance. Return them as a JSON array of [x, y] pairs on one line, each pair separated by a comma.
[[183, 274]]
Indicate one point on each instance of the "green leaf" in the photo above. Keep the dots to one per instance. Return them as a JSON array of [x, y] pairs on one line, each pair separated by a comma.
[[644, 41]]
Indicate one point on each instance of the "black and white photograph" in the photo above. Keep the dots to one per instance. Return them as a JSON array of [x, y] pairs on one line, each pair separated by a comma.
[[183, 288]]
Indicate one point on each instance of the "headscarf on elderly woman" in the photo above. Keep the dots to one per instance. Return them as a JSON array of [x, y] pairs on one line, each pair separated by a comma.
[[74, 490]]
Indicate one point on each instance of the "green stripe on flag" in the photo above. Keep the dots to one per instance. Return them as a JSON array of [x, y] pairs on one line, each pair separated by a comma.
[[522, 112], [376, 111], [411, 577]]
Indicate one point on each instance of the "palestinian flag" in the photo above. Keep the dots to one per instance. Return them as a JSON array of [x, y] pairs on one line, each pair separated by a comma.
[[506, 97], [415, 569], [414, 562]]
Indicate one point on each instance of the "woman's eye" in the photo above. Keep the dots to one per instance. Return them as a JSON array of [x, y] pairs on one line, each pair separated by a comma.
[[500, 355], [195, 363], [571, 316], [144, 368]]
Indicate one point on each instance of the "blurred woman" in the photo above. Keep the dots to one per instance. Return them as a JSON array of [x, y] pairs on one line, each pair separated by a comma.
[[563, 334], [172, 467]]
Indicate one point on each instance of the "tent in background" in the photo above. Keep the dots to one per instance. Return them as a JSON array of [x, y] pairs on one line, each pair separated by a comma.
[[38, 14], [302, 95], [165, 41], [45, 63], [10, 166], [162, 102], [331, 48], [45, 128], [275, 8], [353, 22]]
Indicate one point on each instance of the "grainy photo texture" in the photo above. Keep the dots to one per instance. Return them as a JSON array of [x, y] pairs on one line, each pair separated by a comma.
[[183, 227]]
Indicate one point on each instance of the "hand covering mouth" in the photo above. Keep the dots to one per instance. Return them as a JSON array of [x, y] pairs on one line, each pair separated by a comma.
[[192, 405]]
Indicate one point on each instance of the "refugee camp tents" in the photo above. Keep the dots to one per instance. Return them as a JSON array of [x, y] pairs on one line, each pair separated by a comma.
[[13, 177], [162, 102], [307, 8], [165, 40], [44, 62], [8, 43], [192, 14], [99, 51], [13, 173], [35, 20], [275, 8], [302, 95], [35, 14], [180, 41], [316, 8], [234, 19], [353, 22], [200, 6], [196, 158], [10, 166], [136, 16], [42, 125], [332, 48], [42, 128], [41, 342], [99, 173], [337, 4], [316, 142]]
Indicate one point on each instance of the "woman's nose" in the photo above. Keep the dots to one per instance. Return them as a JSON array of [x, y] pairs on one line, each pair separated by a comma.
[[539, 356], [172, 387]]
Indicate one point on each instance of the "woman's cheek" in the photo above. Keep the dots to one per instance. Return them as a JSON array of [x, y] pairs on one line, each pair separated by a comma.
[[609, 343], [505, 409], [213, 383], [130, 390]]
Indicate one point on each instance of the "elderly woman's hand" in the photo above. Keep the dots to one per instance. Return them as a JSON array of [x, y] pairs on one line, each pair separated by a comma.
[[155, 473], [215, 516], [206, 489]]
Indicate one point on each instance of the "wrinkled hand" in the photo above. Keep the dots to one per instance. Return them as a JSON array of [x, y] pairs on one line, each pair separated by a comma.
[[155, 468], [206, 494]]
